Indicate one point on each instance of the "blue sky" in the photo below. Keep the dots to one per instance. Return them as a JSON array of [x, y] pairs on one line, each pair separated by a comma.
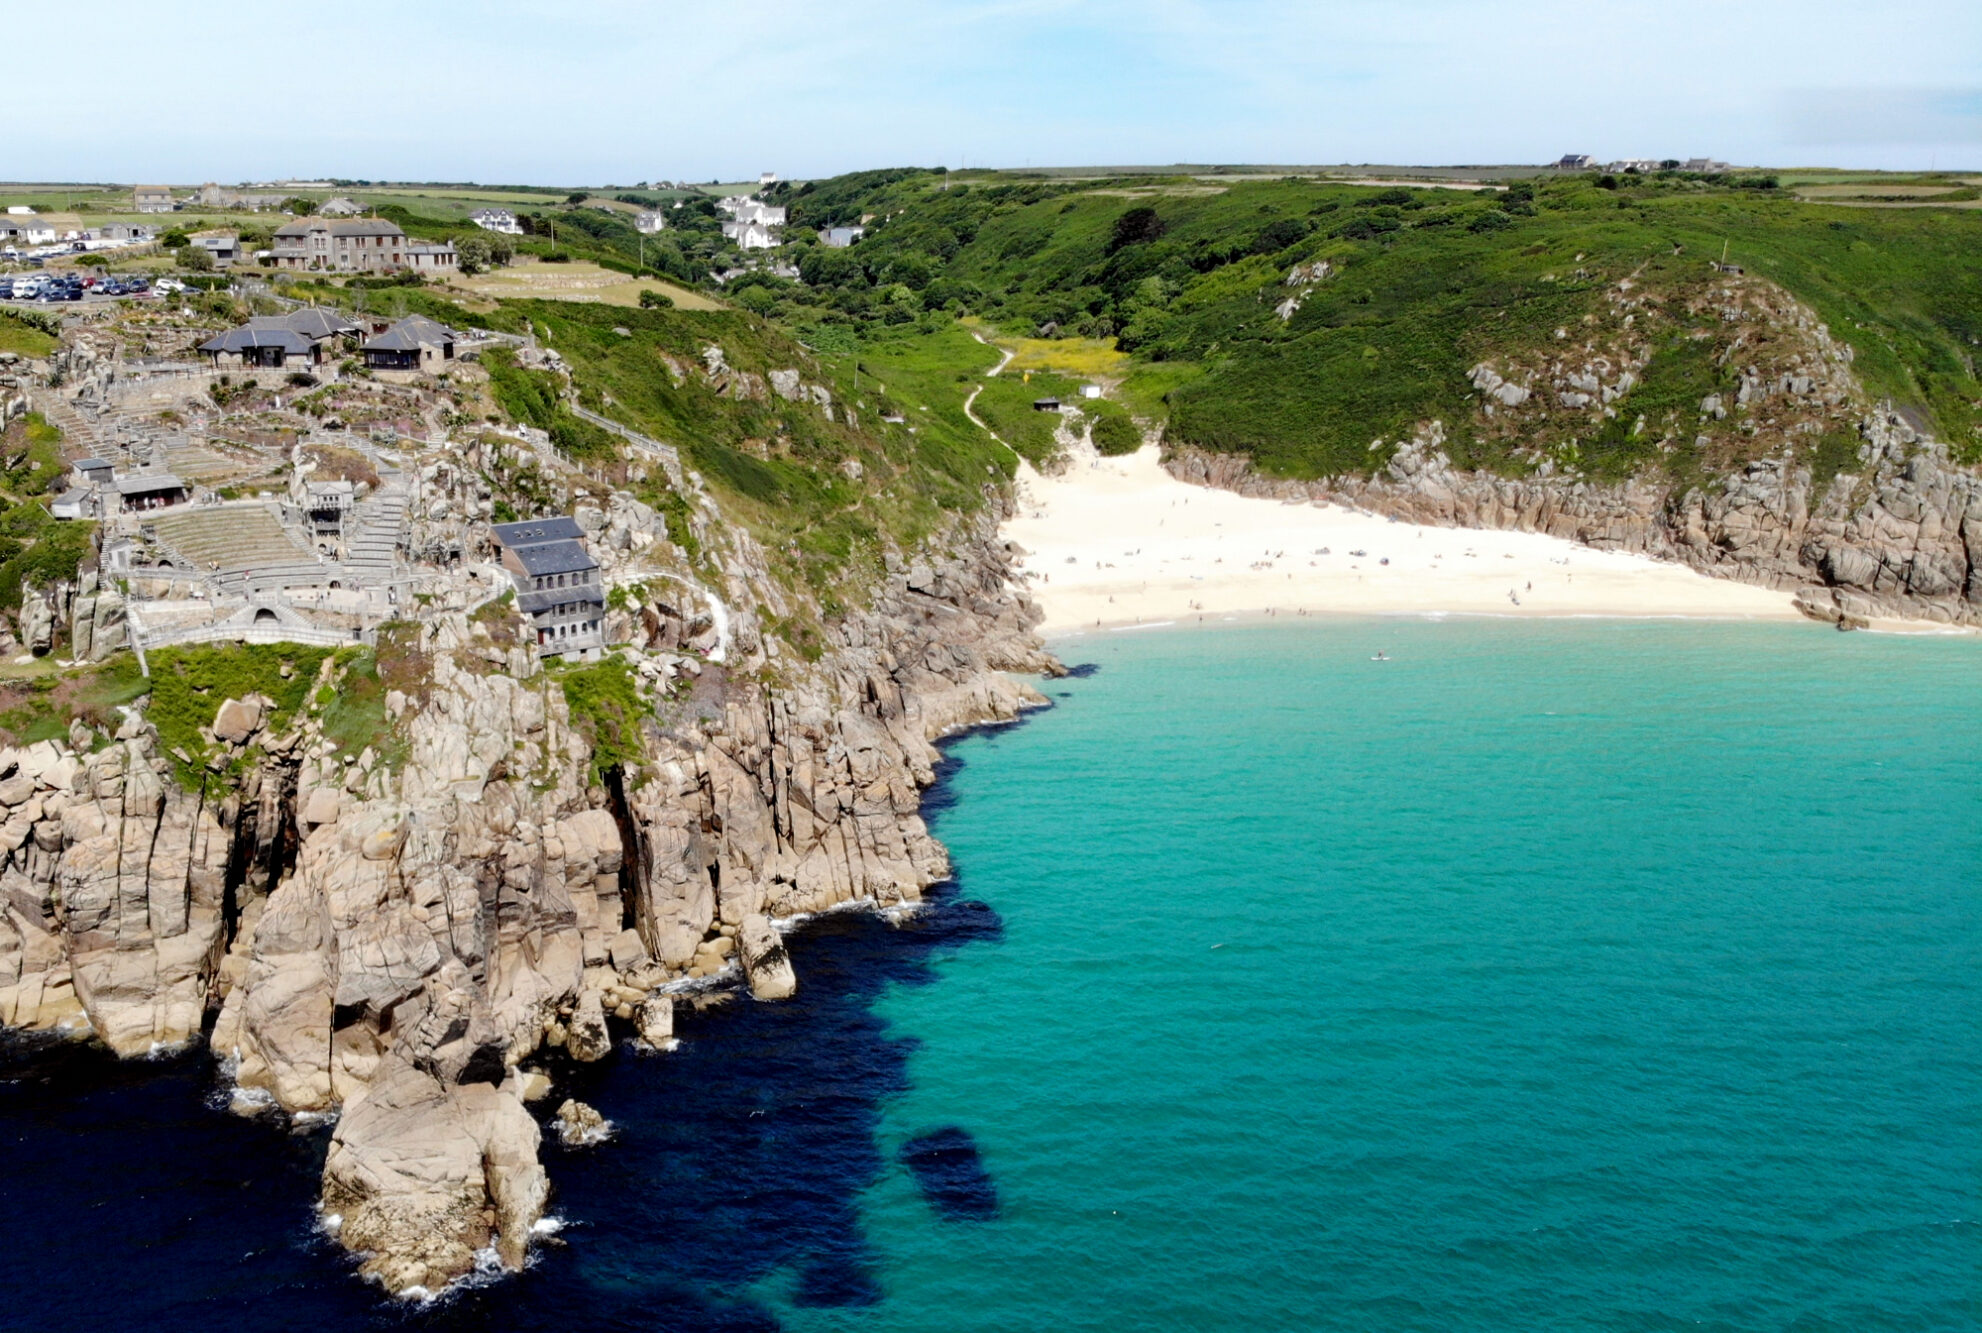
[[613, 91]]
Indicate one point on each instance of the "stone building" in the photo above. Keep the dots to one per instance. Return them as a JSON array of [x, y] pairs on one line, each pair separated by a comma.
[[362, 245], [414, 343], [153, 199], [557, 583]]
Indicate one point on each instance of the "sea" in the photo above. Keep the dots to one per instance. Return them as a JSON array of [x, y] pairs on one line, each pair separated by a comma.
[[1543, 975]]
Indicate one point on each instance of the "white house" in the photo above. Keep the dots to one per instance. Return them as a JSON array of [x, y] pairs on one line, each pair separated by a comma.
[[767, 180], [649, 221], [839, 238], [1575, 162], [340, 207], [750, 235], [19, 211], [745, 209], [496, 219]]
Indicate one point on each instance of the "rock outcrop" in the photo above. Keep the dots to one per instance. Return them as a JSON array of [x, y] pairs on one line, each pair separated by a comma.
[[493, 893]]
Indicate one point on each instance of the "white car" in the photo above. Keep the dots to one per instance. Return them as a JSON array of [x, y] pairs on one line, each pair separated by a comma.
[[166, 286]]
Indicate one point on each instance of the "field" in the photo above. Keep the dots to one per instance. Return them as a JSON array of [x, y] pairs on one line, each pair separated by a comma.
[[576, 281]]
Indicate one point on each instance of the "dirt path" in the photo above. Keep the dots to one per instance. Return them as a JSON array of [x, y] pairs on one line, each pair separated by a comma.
[[1004, 359]]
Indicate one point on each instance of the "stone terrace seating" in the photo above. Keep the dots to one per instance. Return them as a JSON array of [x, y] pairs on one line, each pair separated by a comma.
[[233, 537]]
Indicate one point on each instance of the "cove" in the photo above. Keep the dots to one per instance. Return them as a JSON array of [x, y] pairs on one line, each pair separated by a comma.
[[1558, 975]]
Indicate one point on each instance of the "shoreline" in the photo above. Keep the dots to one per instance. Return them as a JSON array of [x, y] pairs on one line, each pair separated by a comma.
[[1118, 543]]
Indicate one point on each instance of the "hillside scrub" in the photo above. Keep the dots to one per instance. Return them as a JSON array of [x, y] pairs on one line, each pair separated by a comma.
[[1417, 286]]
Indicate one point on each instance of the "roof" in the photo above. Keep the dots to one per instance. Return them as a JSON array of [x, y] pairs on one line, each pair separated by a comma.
[[145, 482], [331, 487], [530, 603], [366, 227], [565, 557], [91, 464], [536, 531], [410, 334], [312, 322], [249, 337]]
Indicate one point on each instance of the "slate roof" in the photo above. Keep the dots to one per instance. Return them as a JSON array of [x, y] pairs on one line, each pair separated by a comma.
[[536, 531], [409, 334], [555, 558], [536, 603], [312, 322], [248, 337]]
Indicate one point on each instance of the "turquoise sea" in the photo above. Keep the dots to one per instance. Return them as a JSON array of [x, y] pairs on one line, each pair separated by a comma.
[[1559, 975], [1551, 975]]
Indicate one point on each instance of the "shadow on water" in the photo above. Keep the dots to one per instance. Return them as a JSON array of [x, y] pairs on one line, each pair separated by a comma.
[[738, 1164]]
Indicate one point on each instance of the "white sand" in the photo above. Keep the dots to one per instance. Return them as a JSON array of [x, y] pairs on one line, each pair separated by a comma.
[[1119, 541]]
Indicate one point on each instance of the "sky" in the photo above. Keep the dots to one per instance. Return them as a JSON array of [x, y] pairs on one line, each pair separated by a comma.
[[569, 92]]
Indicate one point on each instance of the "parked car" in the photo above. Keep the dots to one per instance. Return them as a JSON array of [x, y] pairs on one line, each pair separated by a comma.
[[6, 289]]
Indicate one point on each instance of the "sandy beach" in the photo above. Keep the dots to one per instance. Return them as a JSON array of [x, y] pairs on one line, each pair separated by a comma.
[[1119, 541]]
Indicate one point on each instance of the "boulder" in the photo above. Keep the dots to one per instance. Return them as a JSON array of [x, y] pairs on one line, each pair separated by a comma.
[[579, 1126], [655, 1018], [765, 961], [587, 1039], [238, 720]]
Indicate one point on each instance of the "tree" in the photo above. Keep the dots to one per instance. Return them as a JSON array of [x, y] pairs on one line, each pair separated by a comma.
[[474, 253], [175, 239], [196, 259], [300, 206], [653, 300], [1136, 227], [576, 197]]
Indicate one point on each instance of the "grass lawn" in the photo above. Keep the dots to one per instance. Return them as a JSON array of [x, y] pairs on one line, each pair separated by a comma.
[[22, 338], [577, 281]]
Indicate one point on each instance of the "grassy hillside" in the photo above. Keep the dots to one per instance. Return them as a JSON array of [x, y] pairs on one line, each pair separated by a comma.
[[1422, 285]]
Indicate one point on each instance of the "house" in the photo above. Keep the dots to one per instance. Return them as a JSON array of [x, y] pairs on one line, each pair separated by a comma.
[[153, 199], [93, 472], [251, 346], [362, 245], [20, 211], [649, 221], [767, 180], [88, 481], [750, 235], [745, 209], [1575, 162], [124, 232], [275, 340], [839, 238], [28, 230], [340, 207], [496, 219], [1705, 165], [557, 582], [414, 343], [223, 247], [149, 490]]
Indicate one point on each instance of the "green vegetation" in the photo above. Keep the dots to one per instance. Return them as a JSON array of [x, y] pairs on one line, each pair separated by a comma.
[[1422, 285], [353, 708], [41, 706], [606, 707], [188, 685], [23, 335]]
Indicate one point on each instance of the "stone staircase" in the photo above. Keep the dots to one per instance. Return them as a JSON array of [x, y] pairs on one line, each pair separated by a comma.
[[371, 550]]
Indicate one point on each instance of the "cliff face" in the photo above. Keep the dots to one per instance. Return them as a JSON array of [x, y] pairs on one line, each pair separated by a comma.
[[390, 944], [1808, 485]]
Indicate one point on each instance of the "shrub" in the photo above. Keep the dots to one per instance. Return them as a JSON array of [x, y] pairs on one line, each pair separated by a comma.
[[653, 300], [1138, 226]]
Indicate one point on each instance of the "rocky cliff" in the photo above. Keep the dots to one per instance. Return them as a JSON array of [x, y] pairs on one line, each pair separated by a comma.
[[390, 938], [1807, 485]]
